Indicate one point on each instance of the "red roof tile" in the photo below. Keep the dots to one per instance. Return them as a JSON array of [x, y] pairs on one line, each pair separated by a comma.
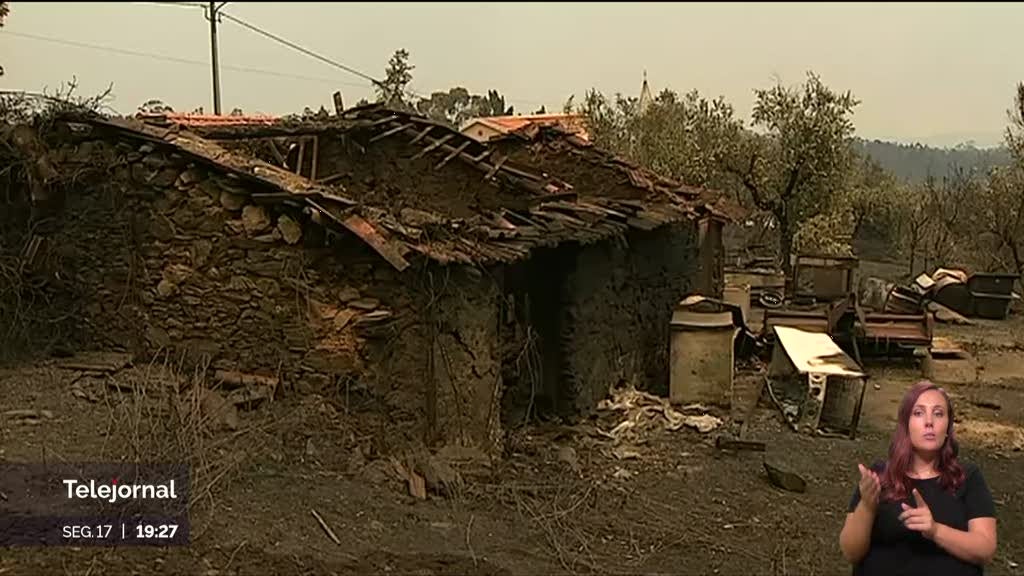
[[573, 123], [186, 119]]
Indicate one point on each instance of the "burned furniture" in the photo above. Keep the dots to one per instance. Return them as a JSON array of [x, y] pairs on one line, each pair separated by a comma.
[[861, 333], [816, 385], [957, 294], [763, 283], [823, 278]]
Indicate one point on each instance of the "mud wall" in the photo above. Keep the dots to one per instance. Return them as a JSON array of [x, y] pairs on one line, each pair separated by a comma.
[[463, 364], [389, 173], [155, 256], [619, 301]]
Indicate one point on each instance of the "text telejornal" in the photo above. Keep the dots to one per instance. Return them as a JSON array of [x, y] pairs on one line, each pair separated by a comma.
[[114, 492]]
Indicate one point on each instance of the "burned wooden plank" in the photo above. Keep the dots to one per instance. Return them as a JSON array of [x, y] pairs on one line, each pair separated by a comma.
[[422, 134], [360, 227], [563, 217], [316, 154], [522, 173], [332, 178], [385, 120], [339, 104], [391, 132], [97, 362], [298, 161], [324, 195], [554, 200], [501, 222], [497, 166], [433, 146], [517, 217], [451, 155], [276, 153], [483, 155]]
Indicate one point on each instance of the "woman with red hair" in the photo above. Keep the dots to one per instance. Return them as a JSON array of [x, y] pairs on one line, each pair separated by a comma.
[[921, 511]]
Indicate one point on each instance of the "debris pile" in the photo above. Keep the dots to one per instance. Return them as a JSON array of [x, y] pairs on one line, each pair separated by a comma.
[[644, 412], [951, 295], [219, 400]]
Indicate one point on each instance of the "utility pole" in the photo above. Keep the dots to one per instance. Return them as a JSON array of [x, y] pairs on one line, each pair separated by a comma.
[[212, 13]]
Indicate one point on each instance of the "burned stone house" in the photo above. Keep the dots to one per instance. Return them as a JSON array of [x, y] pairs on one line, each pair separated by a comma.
[[458, 285]]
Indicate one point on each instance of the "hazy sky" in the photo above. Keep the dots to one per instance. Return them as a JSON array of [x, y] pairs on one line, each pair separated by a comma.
[[937, 73]]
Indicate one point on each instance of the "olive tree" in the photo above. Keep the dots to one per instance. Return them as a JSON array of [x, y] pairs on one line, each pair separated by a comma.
[[799, 159]]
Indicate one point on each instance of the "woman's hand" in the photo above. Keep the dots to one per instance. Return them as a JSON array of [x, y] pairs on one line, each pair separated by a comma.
[[870, 487], [919, 517]]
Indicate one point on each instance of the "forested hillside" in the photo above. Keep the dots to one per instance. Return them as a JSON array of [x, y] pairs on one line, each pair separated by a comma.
[[914, 162]]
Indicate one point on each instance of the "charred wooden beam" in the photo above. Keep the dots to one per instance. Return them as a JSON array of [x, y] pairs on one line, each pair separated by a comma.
[[422, 134], [384, 120], [316, 154], [451, 155], [497, 166], [360, 227], [331, 179], [390, 132], [357, 225], [335, 198], [276, 152], [483, 155], [298, 161], [434, 146]]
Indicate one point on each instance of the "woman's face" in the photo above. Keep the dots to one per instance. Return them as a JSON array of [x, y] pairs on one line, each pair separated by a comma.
[[929, 421]]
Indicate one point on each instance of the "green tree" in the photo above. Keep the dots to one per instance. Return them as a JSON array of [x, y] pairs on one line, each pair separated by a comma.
[[493, 104], [801, 159], [457, 105], [392, 91], [688, 138]]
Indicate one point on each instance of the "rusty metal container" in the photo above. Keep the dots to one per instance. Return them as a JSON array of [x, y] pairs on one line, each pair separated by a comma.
[[701, 357]]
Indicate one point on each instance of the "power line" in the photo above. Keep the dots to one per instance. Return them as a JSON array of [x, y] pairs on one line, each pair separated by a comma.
[[408, 91], [173, 59], [295, 46], [253, 28]]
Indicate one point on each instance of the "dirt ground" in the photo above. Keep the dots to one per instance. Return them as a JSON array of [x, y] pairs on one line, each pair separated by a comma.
[[560, 501]]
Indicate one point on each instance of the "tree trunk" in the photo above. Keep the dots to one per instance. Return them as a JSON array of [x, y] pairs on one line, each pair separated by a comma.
[[1018, 262], [786, 248]]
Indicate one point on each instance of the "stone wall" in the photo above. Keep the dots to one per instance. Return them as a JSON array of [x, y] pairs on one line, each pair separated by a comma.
[[620, 297], [164, 257]]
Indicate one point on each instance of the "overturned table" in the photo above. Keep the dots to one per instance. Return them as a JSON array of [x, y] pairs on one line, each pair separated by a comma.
[[822, 388]]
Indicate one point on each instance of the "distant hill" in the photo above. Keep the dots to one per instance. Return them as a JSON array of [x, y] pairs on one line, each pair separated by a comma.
[[915, 162]]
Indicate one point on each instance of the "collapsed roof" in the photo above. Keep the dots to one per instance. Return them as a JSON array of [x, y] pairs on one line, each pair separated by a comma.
[[552, 211]]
